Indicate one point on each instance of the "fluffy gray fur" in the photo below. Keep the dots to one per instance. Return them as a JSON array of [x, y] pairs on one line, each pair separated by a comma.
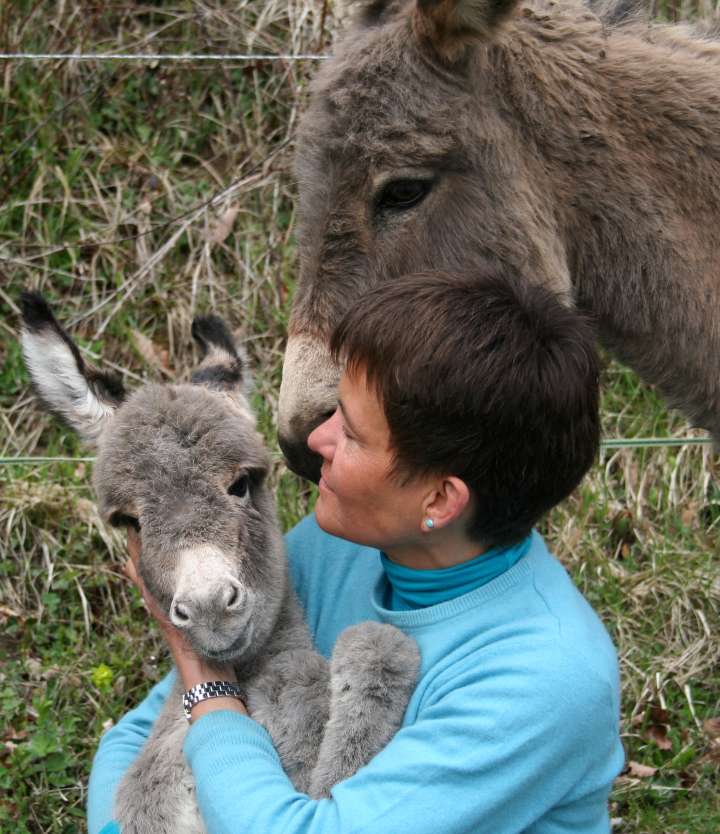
[[166, 458], [578, 146]]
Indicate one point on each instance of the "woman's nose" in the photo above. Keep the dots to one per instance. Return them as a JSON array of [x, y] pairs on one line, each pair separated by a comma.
[[323, 439]]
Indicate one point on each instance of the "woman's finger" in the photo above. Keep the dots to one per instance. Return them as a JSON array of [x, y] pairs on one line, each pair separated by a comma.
[[130, 571], [134, 545]]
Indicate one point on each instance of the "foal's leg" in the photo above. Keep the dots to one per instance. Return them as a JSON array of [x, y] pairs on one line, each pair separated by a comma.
[[157, 794], [373, 672], [290, 697]]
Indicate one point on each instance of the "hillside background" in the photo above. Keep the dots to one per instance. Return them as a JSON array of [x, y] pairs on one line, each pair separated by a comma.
[[136, 195]]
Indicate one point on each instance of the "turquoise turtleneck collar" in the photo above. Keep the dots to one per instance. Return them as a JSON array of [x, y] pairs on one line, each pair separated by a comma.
[[411, 588]]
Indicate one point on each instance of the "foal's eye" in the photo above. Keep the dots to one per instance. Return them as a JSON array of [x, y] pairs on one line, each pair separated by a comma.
[[123, 520], [239, 488], [402, 194]]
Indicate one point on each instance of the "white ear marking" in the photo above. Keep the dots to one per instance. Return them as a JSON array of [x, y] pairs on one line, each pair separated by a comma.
[[61, 384]]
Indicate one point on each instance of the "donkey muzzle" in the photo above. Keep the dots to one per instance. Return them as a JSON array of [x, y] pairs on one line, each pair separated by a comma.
[[209, 600]]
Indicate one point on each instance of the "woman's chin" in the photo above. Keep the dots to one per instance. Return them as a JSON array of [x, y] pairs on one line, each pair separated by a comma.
[[325, 518]]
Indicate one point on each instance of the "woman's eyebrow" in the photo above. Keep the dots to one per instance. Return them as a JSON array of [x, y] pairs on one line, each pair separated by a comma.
[[347, 420]]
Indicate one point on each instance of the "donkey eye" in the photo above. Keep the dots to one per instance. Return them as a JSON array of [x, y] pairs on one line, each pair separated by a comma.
[[239, 488], [402, 194], [123, 520]]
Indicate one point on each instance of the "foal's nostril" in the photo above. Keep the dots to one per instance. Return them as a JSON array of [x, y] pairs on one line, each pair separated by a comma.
[[179, 614], [233, 596]]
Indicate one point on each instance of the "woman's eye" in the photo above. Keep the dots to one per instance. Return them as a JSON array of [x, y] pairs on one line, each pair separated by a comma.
[[239, 488], [402, 194]]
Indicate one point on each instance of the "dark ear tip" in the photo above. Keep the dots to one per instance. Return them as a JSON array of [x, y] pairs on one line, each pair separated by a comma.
[[207, 324], [198, 326], [212, 330], [36, 313]]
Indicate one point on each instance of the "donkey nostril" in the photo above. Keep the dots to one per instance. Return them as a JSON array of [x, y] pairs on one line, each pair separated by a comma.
[[234, 596], [180, 614]]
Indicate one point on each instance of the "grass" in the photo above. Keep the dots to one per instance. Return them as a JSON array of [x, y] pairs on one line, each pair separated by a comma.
[[107, 172]]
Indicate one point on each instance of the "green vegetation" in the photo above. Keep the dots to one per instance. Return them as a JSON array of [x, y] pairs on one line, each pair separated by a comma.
[[106, 173]]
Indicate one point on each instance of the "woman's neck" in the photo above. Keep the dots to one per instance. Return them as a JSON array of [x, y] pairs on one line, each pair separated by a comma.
[[436, 549]]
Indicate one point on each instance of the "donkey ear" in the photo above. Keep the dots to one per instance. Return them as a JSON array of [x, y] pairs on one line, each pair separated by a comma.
[[79, 395], [451, 25], [365, 12], [224, 367]]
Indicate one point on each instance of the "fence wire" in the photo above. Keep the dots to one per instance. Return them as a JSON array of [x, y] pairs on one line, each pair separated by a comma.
[[146, 56], [610, 443]]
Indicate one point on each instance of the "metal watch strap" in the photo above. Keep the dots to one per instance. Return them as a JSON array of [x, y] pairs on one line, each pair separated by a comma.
[[209, 689]]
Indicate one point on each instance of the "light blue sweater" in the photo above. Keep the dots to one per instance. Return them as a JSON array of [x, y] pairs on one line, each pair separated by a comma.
[[513, 726]]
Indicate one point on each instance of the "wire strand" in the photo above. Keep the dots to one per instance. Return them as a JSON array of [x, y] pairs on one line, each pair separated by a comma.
[[145, 56], [610, 443]]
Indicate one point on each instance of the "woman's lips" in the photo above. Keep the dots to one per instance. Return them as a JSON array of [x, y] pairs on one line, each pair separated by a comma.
[[322, 483]]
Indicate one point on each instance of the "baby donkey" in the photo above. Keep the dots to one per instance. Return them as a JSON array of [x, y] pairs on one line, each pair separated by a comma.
[[185, 465]]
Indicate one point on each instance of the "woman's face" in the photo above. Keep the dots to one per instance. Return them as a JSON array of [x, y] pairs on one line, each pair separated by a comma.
[[358, 498]]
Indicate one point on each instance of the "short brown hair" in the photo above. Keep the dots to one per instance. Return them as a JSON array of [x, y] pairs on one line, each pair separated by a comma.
[[482, 376]]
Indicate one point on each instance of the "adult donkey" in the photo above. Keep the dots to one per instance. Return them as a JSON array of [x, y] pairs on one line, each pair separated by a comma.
[[577, 150]]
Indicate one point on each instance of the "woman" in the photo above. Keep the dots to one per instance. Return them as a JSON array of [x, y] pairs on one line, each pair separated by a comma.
[[469, 407]]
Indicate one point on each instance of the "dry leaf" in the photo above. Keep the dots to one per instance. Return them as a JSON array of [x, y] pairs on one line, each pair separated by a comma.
[[659, 715], [658, 734], [641, 771], [712, 727], [690, 515], [224, 225], [6, 613], [145, 207], [154, 355], [713, 753]]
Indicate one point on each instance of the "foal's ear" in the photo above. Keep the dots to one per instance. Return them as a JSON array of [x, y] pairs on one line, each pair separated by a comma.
[[79, 395], [224, 366], [451, 25]]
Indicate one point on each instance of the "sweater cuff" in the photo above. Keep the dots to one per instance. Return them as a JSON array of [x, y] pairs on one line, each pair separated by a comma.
[[206, 742]]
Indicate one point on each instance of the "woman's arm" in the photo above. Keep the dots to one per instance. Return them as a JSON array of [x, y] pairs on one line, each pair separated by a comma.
[[482, 759], [118, 748]]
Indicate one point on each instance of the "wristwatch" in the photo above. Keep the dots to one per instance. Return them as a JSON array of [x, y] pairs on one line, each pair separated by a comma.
[[209, 689]]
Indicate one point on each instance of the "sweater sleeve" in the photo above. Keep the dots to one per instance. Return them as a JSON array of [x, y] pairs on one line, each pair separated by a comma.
[[118, 748], [482, 758]]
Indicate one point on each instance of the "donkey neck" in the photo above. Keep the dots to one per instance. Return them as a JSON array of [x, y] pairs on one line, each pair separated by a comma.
[[623, 125]]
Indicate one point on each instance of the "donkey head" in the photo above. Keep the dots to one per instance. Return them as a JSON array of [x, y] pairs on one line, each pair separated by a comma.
[[410, 157], [184, 465]]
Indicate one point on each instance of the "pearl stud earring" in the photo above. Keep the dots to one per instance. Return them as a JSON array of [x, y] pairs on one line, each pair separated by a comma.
[[429, 523]]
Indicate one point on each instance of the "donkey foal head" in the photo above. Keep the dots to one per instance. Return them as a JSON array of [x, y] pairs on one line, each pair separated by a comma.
[[185, 465]]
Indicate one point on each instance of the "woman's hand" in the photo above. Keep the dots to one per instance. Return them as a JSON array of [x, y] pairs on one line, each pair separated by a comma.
[[192, 668]]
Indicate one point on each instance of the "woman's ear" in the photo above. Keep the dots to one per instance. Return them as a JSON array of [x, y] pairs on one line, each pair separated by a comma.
[[448, 501]]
